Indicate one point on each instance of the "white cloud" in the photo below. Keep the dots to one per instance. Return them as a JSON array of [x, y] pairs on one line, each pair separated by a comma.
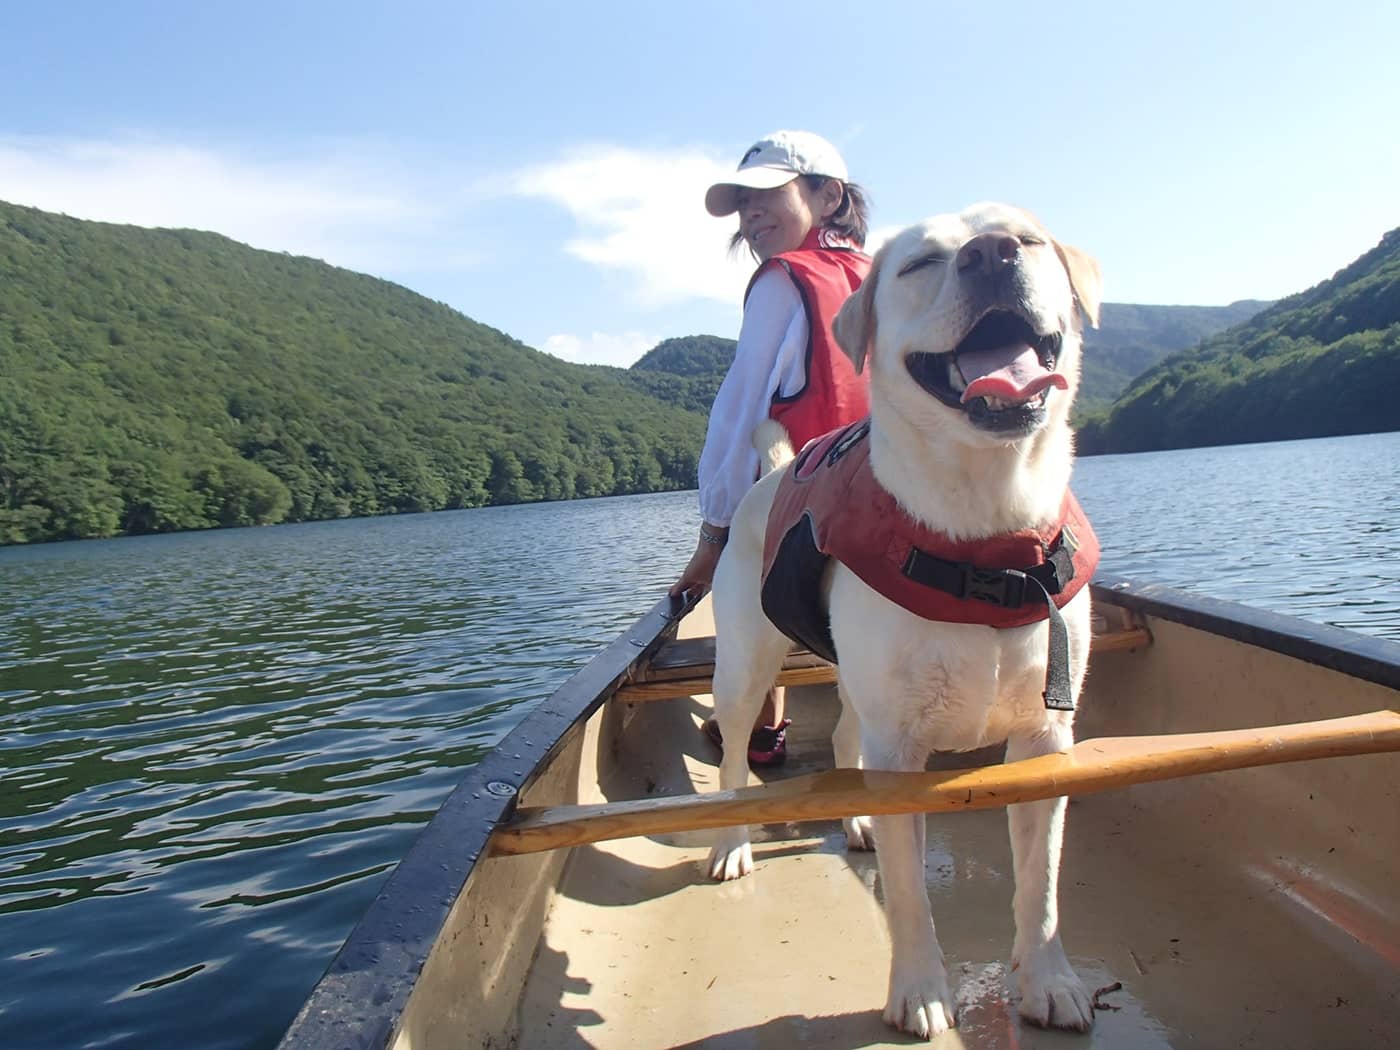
[[600, 348], [636, 215], [640, 214], [343, 206]]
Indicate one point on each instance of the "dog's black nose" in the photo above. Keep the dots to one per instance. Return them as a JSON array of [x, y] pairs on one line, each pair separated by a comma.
[[989, 252]]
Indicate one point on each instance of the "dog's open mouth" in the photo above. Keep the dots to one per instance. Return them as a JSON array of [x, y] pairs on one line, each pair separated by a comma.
[[1001, 373]]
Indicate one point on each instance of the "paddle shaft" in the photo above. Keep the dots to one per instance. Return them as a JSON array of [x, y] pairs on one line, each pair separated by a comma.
[[1087, 767]]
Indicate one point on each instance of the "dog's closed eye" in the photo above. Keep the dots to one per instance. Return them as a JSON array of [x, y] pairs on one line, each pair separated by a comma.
[[932, 259]]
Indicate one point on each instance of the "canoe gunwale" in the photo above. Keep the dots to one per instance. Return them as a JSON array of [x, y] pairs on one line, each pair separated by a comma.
[[1366, 657], [380, 961]]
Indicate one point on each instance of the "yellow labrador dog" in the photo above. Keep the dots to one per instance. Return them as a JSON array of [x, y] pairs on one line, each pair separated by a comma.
[[970, 325]]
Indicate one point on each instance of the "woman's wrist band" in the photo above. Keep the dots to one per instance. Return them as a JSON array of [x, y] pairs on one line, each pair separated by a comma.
[[710, 537]]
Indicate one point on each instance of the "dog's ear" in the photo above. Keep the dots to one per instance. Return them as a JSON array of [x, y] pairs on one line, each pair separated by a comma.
[[1084, 278], [854, 326]]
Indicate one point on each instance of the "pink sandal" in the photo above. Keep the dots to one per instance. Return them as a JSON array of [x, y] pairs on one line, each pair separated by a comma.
[[767, 744]]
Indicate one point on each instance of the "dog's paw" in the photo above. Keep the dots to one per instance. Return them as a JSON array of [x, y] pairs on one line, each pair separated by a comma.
[[1055, 997], [860, 833], [921, 1007], [731, 857], [727, 864]]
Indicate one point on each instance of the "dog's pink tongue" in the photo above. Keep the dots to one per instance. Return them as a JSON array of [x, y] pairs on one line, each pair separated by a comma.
[[1012, 373]]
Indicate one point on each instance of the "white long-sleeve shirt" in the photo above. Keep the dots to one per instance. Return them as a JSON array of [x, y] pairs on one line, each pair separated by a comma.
[[770, 359]]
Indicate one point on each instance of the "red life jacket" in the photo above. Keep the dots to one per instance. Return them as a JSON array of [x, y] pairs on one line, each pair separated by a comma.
[[834, 393], [829, 505]]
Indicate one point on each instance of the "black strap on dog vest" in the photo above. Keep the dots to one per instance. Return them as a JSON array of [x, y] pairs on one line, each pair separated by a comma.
[[1011, 589]]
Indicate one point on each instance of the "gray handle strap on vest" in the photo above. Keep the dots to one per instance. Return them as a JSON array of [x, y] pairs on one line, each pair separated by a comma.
[[1059, 695], [1012, 588]]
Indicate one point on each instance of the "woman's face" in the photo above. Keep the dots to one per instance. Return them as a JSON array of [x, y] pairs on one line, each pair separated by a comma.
[[777, 220]]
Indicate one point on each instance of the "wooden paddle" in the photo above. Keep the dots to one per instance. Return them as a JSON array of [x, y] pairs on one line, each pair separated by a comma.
[[1089, 766]]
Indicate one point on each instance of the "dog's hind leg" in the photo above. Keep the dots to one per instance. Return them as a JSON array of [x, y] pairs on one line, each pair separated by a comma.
[[1052, 995], [919, 998], [845, 745], [747, 660]]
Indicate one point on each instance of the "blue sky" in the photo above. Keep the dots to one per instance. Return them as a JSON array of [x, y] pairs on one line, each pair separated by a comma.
[[540, 166]]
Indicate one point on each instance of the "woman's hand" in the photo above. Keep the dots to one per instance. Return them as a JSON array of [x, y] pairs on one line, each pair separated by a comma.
[[699, 572]]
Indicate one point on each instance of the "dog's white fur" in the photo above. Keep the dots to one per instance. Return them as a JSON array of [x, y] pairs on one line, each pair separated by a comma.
[[910, 686]]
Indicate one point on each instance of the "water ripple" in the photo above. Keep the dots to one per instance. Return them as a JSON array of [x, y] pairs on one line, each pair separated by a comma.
[[218, 745], [1307, 528]]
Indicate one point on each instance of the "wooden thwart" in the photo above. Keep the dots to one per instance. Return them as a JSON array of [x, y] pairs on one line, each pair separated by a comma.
[[815, 674], [687, 667], [1089, 766]]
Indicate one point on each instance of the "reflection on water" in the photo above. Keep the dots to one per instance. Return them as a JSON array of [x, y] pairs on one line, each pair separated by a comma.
[[216, 745]]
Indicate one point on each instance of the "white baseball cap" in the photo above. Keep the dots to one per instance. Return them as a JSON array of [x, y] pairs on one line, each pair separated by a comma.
[[773, 161]]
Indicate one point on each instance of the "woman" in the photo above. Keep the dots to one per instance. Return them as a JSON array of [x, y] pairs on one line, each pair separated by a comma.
[[805, 222]]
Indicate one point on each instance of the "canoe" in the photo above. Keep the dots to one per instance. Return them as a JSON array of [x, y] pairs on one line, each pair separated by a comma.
[[1255, 906]]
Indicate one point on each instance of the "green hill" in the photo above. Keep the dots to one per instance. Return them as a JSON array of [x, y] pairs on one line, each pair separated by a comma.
[[1320, 363], [692, 356], [167, 379], [685, 371], [156, 380], [1132, 338]]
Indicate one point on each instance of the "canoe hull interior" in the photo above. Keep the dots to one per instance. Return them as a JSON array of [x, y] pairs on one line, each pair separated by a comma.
[[1253, 908]]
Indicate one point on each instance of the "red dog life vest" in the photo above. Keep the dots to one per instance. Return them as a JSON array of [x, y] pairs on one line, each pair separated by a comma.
[[829, 505], [834, 393]]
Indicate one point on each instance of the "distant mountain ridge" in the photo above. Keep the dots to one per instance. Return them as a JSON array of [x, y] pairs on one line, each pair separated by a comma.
[[1133, 337], [685, 371], [1320, 363]]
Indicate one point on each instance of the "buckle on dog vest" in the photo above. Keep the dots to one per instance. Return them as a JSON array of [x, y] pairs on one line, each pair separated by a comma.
[[1005, 587], [1013, 588]]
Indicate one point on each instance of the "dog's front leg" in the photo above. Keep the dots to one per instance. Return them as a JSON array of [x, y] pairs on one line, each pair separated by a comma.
[[731, 856], [845, 745], [1052, 995], [744, 669], [919, 999]]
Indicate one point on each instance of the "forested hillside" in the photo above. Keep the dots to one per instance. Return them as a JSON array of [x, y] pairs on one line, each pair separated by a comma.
[[685, 371], [1320, 363], [155, 380], [1131, 338]]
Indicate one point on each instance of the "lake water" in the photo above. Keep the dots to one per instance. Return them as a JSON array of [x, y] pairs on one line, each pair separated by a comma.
[[215, 746]]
